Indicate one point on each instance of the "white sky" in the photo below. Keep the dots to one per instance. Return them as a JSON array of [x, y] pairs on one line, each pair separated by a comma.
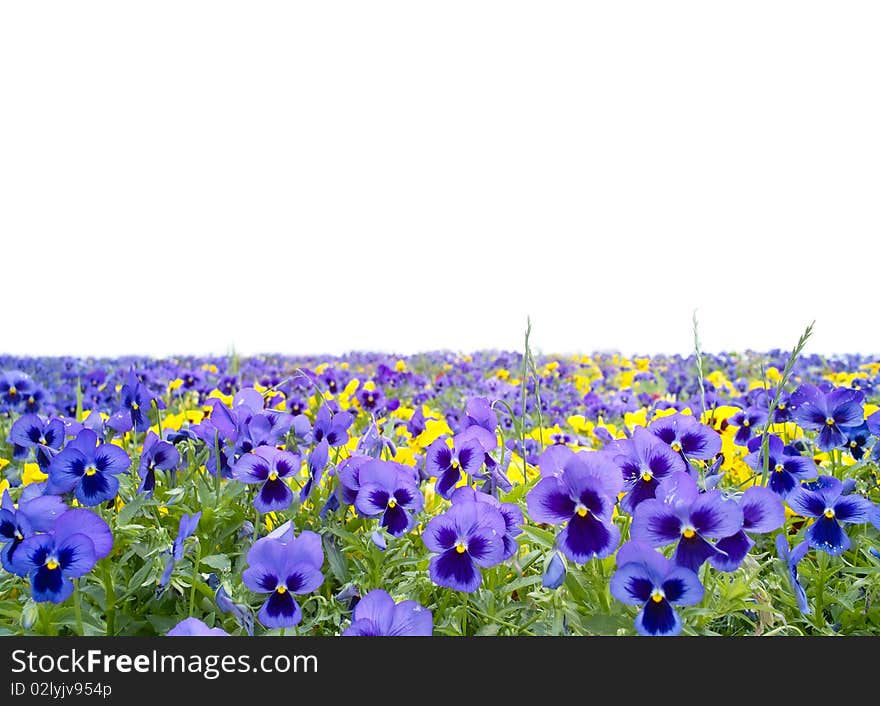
[[177, 177]]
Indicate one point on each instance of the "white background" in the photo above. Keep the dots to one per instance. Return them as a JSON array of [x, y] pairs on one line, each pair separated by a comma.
[[178, 177]]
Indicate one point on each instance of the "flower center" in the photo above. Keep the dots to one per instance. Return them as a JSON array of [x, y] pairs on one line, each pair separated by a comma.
[[460, 547], [13, 391], [853, 444], [829, 421], [581, 510], [392, 503], [746, 423], [647, 476], [455, 465], [135, 406], [273, 475], [91, 470], [688, 532], [19, 536], [781, 406], [829, 512], [657, 595], [779, 468], [676, 446], [43, 441], [51, 564], [282, 589]]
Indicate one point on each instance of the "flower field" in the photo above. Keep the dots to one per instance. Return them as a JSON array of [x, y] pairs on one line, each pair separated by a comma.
[[485, 494]]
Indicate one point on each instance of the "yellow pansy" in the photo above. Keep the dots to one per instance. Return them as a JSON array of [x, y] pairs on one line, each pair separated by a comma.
[[32, 474]]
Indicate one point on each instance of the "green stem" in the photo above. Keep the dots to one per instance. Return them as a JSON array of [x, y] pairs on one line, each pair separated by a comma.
[[77, 608], [195, 575], [464, 618], [109, 599], [820, 590]]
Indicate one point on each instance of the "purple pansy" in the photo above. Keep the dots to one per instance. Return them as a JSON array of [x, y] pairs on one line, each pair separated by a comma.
[[644, 461], [448, 464], [389, 494], [89, 469], [193, 627], [687, 436], [44, 437], [763, 512], [376, 614], [77, 540], [681, 514], [786, 466], [581, 496], [748, 420], [468, 536], [156, 455], [268, 467], [830, 507], [830, 413], [33, 514], [646, 578], [284, 566]]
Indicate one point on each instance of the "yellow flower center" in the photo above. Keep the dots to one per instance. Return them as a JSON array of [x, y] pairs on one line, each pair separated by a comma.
[[657, 595], [392, 503], [91, 471], [273, 475], [13, 391], [746, 423], [460, 547], [853, 444], [688, 532], [581, 510], [19, 536], [135, 406], [281, 589], [782, 406], [778, 468], [455, 466], [829, 421], [51, 565], [676, 446], [829, 513], [646, 476], [43, 440]]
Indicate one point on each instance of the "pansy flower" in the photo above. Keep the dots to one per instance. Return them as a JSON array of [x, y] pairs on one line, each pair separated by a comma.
[[646, 578], [387, 493], [268, 467], [829, 507], [763, 512], [830, 413], [687, 436], [749, 421], [376, 614], [644, 461], [89, 469], [467, 537], [78, 539], [156, 455], [35, 513], [580, 496], [283, 567], [44, 437], [513, 516], [786, 466], [682, 515], [193, 627], [449, 464]]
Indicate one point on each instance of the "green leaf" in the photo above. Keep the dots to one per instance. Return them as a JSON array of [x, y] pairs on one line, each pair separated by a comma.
[[217, 561]]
